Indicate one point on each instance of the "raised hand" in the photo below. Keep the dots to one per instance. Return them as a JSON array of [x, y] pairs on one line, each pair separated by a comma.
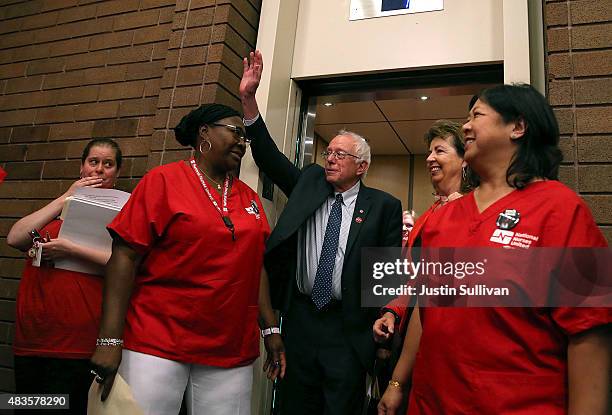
[[252, 67]]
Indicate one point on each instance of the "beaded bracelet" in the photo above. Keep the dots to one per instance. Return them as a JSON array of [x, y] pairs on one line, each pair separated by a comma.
[[108, 341]]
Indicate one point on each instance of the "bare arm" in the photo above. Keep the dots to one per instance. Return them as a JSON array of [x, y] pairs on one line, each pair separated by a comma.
[[267, 318], [405, 364], [394, 395], [62, 248], [589, 356], [276, 362], [18, 236], [118, 285]]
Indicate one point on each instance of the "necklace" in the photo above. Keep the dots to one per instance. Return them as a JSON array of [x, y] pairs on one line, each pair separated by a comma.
[[209, 178], [223, 211], [446, 199]]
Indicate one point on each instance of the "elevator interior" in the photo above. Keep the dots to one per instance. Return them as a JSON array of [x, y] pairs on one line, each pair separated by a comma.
[[392, 111]]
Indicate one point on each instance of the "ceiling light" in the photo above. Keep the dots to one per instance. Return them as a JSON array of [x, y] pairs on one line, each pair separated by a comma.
[[328, 104], [424, 98]]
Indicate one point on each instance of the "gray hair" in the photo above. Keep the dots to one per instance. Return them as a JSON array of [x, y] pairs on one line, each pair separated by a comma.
[[362, 148]]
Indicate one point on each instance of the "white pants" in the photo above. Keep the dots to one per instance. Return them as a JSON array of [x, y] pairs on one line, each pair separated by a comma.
[[158, 385]]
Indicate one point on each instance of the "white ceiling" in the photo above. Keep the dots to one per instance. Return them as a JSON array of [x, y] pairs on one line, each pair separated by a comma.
[[391, 126]]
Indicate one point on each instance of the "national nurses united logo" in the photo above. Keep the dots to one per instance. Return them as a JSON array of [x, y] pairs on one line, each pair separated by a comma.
[[508, 219], [253, 209], [501, 236]]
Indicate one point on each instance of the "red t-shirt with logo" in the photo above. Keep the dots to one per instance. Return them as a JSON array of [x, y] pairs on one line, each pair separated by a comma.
[[503, 360], [195, 298], [58, 311]]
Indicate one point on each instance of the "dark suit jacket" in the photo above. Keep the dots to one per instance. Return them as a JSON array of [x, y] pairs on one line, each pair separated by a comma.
[[307, 189]]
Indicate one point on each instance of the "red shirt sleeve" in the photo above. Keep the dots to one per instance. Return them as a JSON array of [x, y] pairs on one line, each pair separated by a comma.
[[574, 227], [576, 320], [146, 214]]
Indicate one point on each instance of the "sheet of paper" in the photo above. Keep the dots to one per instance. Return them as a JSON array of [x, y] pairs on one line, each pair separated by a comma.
[[85, 218], [111, 197]]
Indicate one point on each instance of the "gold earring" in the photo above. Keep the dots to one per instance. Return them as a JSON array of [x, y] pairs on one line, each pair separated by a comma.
[[209, 146]]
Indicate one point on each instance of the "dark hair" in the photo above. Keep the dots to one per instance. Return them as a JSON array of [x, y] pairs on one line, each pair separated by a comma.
[[444, 129], [103, 142], [538, 153], [188, 128], [472, 101]]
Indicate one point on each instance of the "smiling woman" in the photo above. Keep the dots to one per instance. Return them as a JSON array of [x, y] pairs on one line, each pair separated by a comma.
[[187, 266], [450, 179], [445, 162], [499, 360]]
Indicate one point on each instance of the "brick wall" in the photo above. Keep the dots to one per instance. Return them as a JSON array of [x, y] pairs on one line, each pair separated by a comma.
[[71, 70], [579, 81]]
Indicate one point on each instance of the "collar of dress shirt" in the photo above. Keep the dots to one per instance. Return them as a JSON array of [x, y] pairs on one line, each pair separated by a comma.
[[350, 196]]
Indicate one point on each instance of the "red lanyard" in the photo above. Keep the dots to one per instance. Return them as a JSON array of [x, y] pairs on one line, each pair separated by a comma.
[[223, 209]]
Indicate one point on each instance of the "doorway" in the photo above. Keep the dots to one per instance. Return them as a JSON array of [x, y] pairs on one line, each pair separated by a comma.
[[392, 111]]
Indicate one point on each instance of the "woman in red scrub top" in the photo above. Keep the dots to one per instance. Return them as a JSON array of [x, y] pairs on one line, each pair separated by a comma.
[[545, 361], [185, 284], [450, 179], [58, 311]]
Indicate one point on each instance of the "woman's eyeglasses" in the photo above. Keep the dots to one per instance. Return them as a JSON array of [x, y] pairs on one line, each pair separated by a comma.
[[239, 131]]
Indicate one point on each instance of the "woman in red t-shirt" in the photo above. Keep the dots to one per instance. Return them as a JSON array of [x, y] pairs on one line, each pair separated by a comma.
[[58, 311], [548, 361], [185, 284]]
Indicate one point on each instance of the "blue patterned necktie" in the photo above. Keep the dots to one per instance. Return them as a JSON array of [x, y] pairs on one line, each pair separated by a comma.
[[322, 288]]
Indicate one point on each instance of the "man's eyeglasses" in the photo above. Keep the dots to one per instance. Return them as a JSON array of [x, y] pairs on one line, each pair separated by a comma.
[[340, 155], [239, 131]]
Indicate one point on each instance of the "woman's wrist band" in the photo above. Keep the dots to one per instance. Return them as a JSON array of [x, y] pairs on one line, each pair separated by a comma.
[[108, 341], [270, 330], [395, 384]]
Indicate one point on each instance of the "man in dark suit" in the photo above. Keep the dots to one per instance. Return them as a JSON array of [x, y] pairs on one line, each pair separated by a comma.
[[313, 259]]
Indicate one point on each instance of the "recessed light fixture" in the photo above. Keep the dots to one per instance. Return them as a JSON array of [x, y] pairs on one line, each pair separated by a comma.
[[423, 97], [328, 104]]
